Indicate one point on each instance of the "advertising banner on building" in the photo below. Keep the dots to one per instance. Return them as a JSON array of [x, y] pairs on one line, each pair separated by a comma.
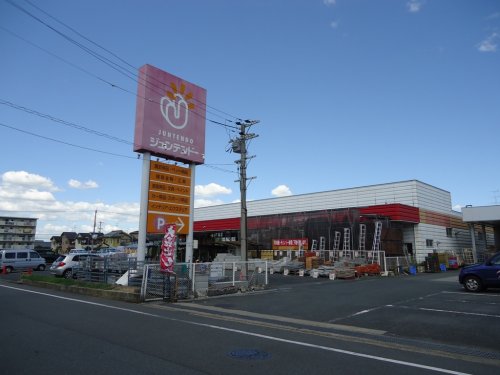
[[291, 244], [168, 247], [170, 117]]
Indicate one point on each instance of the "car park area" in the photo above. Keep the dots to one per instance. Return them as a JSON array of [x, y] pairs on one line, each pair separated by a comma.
[[431, 311]]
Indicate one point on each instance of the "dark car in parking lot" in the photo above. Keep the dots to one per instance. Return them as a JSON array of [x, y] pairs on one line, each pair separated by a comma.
[[48, 255], [478, 277]]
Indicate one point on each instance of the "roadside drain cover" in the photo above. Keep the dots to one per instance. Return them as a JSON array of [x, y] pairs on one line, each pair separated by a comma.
[[249, 354]]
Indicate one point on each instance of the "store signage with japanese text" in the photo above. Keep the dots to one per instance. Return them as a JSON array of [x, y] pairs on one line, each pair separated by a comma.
[[170, 116], [291, 244], [169, 197]]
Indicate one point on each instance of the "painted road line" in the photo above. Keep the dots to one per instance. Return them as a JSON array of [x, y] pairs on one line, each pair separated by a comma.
[[283, 319], [241, 332], [445, 311]]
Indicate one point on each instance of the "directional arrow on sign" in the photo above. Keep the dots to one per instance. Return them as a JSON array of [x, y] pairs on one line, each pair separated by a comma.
[[180, 224]]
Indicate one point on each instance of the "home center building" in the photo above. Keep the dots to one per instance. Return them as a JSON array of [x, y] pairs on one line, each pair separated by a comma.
[[416, 219]]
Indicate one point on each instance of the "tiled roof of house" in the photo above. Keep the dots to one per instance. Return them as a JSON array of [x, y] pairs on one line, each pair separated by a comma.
[[116, 233], [69, 235]]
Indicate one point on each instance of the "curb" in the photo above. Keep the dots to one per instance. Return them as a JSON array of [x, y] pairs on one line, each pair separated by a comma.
[[125, 294]]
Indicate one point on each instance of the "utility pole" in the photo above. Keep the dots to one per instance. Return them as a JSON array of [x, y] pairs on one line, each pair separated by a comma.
[[240, 146], [93, 233]]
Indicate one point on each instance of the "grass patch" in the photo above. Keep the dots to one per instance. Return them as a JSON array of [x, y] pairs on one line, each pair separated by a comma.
[[63, 281]]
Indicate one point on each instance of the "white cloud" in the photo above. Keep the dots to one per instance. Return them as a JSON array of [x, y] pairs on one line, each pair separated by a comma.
[[211, 190], [75, 184], [281, 191], [489, 44], [457, 207], [414, 6], [25, 179], [329, 2], [334, 24], [24, 194]]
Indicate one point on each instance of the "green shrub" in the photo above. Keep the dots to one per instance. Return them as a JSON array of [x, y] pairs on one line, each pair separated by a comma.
[[63, 281]]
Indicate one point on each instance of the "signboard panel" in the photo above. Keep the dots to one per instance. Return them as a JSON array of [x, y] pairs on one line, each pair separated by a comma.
[[169, 188], [291, 244], [169, 197], [169, 178], [157, 222], [170, 116]]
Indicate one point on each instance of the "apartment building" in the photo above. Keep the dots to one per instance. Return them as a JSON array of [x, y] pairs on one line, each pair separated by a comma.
[[17, 232]]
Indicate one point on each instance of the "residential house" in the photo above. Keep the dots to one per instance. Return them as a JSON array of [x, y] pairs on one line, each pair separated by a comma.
[[68, 240], [88, 240], [55, 244], [116, 238]]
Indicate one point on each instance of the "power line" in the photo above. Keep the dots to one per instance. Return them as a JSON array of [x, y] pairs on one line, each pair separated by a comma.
[[113, 85], [63, 122], [80, 127], [212, 166], [66, 143], [123, 70]]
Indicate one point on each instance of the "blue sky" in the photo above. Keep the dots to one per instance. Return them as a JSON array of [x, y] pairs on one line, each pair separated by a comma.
[[348, 93]]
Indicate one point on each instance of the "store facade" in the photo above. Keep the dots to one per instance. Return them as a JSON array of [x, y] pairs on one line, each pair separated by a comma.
[[415, 219]]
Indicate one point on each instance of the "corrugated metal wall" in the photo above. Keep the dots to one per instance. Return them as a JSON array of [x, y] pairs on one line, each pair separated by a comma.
[[412, 193]]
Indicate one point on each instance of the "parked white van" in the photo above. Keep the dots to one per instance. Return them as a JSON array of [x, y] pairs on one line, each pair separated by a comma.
[[21, 259]]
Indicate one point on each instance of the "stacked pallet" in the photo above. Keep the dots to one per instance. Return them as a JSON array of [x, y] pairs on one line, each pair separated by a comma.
[[345, 273], [312, 263], [368, 269]]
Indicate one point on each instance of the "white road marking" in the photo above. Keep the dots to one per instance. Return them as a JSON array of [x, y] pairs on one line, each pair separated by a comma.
[[459, 312], [444, 311], [473, 294], [293, 342]]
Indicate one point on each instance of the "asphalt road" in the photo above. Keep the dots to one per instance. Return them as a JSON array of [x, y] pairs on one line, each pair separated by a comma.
[[412, 325]]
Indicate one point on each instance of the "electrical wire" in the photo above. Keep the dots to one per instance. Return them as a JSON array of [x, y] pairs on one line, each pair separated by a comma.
[[113, 85], [123, 70], [102, 59], [63, 122], [212, 166], [66, 143]]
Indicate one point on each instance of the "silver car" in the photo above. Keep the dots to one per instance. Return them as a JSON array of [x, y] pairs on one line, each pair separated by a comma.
[[67, 265]]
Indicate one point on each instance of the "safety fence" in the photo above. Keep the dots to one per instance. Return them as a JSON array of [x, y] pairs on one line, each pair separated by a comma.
[[398, 265], [106, 270], [191, 280]]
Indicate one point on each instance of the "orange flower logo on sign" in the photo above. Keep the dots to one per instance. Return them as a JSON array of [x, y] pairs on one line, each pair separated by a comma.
[[175, 106]]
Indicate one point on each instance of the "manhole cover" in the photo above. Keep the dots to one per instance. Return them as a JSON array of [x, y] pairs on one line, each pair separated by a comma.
[[249, 354]]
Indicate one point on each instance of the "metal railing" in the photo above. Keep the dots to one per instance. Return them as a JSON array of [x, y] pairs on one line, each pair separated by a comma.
[[192, 280], [106, 270]]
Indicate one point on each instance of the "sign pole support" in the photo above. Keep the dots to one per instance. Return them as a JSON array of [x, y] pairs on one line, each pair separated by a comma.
[[143, 216], [189, 239]]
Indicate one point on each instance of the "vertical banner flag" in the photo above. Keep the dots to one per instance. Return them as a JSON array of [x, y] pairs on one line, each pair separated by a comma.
[[168, 245]]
